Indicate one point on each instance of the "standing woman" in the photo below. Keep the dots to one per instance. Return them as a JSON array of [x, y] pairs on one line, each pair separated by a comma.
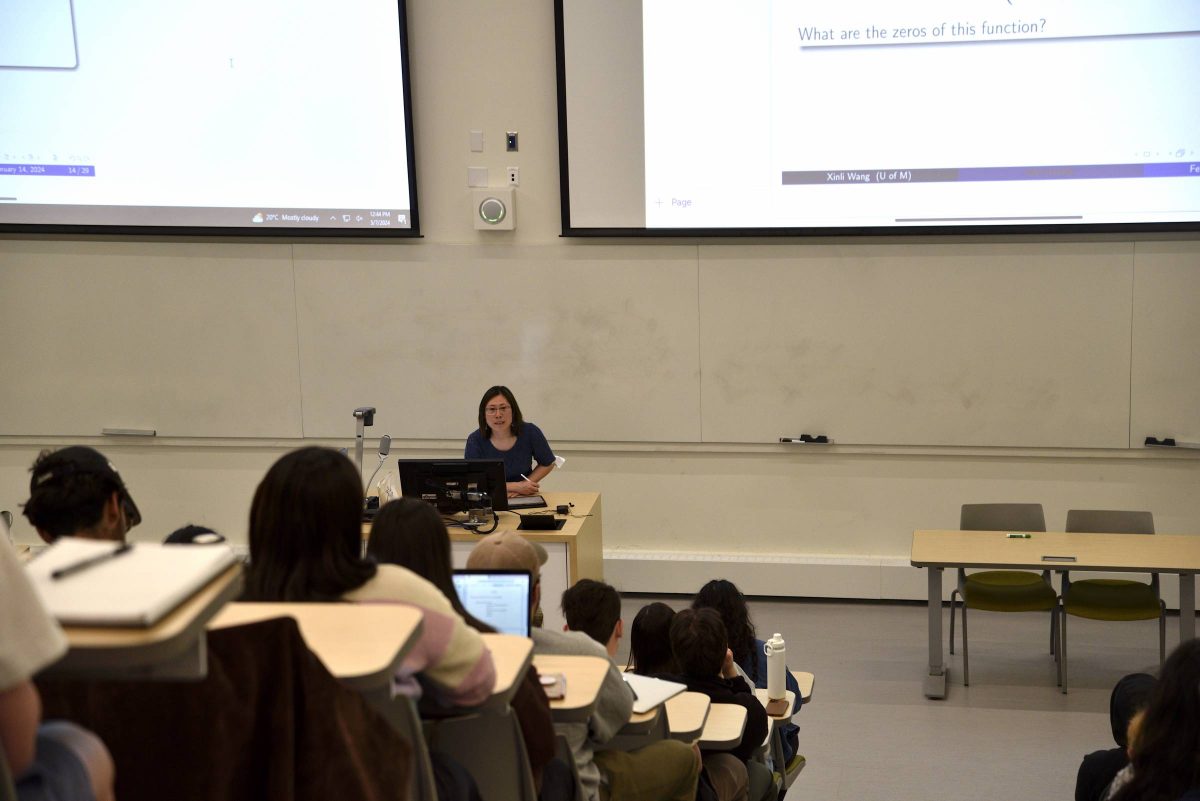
[[504, 434]]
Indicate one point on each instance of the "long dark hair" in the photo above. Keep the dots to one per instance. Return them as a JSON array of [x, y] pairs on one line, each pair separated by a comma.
[[410, 533], [305, 530], [727, 599], [1167, 744], [650, 641], [517, 419]]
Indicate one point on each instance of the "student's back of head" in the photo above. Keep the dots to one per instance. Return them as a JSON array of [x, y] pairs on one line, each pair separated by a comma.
[[76, 492], [410, 533], [650, 640], [191, 534], [699, 643], [594, 608], [305, 524], [1165, 741]]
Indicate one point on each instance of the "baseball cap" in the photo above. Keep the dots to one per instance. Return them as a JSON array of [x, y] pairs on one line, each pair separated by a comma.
[[60, 465], [504, 550]]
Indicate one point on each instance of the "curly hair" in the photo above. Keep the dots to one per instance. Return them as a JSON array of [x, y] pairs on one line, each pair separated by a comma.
[[730, 604]]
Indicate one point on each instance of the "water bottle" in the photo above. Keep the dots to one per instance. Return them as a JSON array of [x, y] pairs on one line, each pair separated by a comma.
[[776, 652]]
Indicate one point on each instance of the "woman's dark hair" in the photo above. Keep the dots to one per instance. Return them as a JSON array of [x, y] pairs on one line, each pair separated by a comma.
[[305, 530], [650, 641], [727, 599], [1166, 747], [517, 419], [411, 533]]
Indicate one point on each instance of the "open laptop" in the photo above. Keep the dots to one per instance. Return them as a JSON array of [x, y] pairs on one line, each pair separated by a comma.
[[499, 598]]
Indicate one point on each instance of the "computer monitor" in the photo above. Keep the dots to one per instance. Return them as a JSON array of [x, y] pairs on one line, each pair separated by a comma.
[[499, 598], [455, 485]]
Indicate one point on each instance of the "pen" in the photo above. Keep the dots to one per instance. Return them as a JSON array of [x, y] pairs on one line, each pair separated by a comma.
[[1016, 536], [71, 570], [527, 478]]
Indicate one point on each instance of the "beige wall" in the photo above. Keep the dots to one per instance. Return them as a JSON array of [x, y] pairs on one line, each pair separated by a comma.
[[491, 65]]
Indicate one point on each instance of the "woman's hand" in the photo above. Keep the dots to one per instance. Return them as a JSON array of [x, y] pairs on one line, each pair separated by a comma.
[[519, 488], [728, 671]]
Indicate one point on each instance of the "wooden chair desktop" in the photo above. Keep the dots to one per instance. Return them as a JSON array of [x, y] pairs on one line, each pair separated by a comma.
[[1111, 599], [1003, 590]]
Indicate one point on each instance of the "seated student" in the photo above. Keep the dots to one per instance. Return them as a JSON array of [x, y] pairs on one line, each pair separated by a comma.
[[305, 545], [724, 776], [663, 770], [55, 760], [1164, 738], [748, 654], [411, 533], [594, 608], [706, 665], [76, 492], [650, 641], [1098, 768]]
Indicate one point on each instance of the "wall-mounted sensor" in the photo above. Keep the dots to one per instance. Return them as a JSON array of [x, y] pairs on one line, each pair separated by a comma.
[[493, 209], [510, 141]]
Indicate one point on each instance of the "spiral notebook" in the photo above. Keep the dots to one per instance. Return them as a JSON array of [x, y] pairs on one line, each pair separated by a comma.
[[133, 589]]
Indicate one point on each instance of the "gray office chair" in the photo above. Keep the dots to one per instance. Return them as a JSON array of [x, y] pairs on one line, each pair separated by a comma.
[[401, 713], [490, 746], [1112, 599], [1003, 590]]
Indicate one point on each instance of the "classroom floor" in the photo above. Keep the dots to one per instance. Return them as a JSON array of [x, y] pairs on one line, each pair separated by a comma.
[[869, 733]]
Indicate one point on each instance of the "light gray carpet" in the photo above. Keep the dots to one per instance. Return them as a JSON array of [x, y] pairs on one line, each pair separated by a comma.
[[870, 733]]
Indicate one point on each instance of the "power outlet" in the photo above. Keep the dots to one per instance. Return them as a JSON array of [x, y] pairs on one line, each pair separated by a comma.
[[514, 176]]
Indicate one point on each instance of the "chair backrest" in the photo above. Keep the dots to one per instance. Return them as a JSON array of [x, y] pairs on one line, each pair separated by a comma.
[[8, 791], [1002, 517], [1110, 521]]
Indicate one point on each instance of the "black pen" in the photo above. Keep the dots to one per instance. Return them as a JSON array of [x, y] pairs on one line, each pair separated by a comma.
[[71, 570]]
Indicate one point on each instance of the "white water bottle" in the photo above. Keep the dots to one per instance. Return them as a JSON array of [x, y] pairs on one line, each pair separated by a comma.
[[776, 652]]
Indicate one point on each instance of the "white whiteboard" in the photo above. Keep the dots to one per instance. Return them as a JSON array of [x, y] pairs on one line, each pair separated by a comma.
[[956, 344], [599, 342], [1165, 389], [184, 339]]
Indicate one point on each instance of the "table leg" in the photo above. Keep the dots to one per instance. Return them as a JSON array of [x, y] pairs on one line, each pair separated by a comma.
[[935, 681], [1187, 606]]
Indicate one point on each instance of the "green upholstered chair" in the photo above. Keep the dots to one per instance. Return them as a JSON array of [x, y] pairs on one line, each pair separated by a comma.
[[1112, 599], [1002, 590]]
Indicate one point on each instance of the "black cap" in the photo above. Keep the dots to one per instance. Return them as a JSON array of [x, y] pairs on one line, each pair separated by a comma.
[[80, 459]]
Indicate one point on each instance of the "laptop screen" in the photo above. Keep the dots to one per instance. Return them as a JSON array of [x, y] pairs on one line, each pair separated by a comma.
[[499, 598]]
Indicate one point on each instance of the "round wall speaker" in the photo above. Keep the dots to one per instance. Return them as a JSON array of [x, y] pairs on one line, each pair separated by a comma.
[[492, 210]]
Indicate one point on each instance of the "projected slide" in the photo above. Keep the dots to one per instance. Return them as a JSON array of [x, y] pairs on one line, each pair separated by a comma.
[[213, 114], [870, 114]]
